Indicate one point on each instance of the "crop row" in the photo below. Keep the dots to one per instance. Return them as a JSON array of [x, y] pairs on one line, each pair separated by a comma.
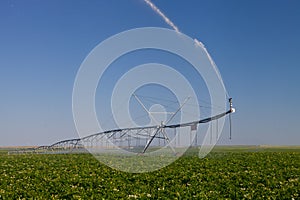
[[229, 175]]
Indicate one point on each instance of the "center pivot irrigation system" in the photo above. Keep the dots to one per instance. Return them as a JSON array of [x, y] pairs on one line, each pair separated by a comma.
[[137, 139], [140, 139]]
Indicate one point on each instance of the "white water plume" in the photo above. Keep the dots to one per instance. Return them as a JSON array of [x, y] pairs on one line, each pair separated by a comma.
[[213, 64], [197, 42], [167, 20]]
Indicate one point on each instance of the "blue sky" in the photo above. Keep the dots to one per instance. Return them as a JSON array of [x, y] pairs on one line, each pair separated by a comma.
[[255, 44]]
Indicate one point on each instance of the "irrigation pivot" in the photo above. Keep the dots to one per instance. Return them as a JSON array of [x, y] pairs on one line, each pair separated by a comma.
[[136, 139]]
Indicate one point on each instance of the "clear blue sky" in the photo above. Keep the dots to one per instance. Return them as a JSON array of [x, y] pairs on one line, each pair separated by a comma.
[[255, 44]]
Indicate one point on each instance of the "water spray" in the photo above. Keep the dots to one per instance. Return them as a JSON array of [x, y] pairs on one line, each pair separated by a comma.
[[166, 19], [197, 42]]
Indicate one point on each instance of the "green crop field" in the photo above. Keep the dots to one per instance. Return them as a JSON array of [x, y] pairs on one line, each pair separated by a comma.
[[226, 173]]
